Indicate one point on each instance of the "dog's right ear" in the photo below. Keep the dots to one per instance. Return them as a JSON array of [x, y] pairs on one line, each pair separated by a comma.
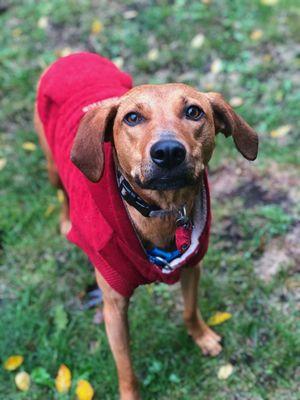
[[87, 152]]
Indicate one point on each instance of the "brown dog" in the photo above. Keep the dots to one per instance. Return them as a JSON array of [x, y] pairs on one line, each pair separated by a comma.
[[182, 123]]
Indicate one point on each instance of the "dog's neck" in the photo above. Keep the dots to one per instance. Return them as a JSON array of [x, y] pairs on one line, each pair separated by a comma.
[[160, 231]]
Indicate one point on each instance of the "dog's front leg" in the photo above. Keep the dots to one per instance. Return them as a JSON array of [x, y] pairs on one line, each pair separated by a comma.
[[117, 329], [204, 337]]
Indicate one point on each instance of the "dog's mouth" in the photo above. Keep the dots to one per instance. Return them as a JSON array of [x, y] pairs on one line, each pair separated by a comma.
[[166, 182]]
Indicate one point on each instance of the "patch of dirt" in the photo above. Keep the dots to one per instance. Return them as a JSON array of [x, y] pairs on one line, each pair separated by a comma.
[[282, 252], [276, 185]]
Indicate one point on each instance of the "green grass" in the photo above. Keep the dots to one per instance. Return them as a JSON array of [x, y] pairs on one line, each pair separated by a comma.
[[43, 277]]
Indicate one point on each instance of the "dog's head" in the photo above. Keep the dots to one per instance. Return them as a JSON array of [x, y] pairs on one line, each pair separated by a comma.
[[164, 135]]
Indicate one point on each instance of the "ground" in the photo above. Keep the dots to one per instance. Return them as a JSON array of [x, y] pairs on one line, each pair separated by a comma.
[[249, 52]]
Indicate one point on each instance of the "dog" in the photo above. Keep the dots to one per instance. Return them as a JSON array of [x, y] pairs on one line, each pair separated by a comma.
[[132, 164]]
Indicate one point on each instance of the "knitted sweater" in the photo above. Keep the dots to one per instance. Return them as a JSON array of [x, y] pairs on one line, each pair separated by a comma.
[[100, 224]]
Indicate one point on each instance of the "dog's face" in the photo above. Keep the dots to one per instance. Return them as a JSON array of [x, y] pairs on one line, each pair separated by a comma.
[[164, 135]]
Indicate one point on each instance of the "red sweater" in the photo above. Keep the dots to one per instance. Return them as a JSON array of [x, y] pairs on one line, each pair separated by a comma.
[[100, 225]]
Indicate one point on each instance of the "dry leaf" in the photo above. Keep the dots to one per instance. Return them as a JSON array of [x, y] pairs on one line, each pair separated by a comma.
[[96, 27], [269, 2], [29, 146], [84, 390], [63, 379], [66, 51], [218, 318], [16, 32], [197, 41], [225, 371], [13, 362], [2, 163], [281, 131], [60, 195], [130, 14], [49, 210], [236, 101], [118, 61], [22, 380], [267, 58], [257, 34], [206, 1], [216, 66], [153, 55], [43, 23]]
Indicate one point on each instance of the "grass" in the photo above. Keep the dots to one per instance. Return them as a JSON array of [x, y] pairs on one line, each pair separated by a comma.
[[43, 278]]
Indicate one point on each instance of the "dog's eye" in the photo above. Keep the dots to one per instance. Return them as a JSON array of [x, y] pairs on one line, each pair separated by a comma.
[[133, 118], [194, 113]]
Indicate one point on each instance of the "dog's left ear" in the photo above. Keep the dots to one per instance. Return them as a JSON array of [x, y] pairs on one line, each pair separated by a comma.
[[229, 123], [87, 152]]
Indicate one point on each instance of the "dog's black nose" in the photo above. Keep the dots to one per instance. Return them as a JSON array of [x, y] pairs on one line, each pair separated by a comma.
[[167, 153]]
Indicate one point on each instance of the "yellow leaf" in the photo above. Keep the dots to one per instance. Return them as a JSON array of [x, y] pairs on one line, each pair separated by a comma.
[[29, 146], [197, 41], [267, 58], [13, 362], [153, 55], [66, 51], [60, 195], [130, 14], [2, 163], [16, 32], [218, 318], [118, 61], [49, 210], [96, 26], [84, 390], [257, 34], [216, 66], [63, 379], [225, 371], [269, 2], [236, 101], [281, 131], [43, 23], [22, 380]]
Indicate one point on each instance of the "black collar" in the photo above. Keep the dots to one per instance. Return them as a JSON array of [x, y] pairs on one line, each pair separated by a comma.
[[146, 209]]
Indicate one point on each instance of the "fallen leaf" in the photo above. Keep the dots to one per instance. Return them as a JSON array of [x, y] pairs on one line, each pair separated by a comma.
[[225, 371], [206, 1], [2, 163], [16, 32], [197, 41], [218, 318], [153, 55], [60, 195], [49, 210], [281, 131], [29, 146], [13, 362], [63, 379], [216, 66], [269, 2], [43, 23], [236, 101], [257, 34], [65, 51], [84, 390], [130, 14], [96, 27], [267, 58], [118, 61], [22, 380]]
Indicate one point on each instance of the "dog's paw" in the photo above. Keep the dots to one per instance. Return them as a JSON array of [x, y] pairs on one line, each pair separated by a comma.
[[209, 342]]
